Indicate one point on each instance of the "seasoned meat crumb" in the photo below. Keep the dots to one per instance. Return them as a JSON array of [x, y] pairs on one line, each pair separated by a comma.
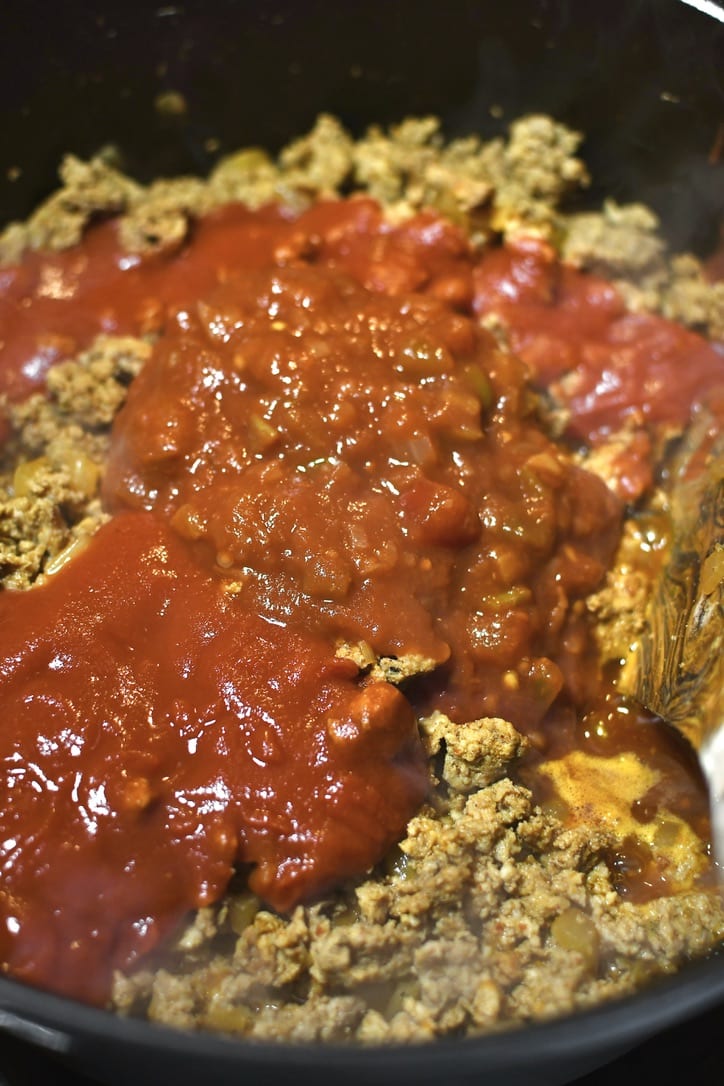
[[91, 388], [49, 503], [321, 161], [623, 244], [537, 168], [407, 168], [690, 298], [391, 669], [463, 933], [477, 753], [618, 242], [45, 526], [88, 189], [620, 604]]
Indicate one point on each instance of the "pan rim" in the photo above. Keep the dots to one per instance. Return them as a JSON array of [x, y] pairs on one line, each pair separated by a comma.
[[621, 1022], [66, 1026]]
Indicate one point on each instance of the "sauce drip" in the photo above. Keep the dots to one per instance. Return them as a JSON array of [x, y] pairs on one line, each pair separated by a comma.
[[325, 446]]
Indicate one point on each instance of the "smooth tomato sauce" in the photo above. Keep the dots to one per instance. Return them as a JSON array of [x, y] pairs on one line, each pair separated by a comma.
[[156, 735], [608, 367], [325, 448]]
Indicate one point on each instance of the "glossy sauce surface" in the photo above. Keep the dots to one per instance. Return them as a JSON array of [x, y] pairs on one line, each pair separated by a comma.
[[618, 367], [158, 735], [325, 446]]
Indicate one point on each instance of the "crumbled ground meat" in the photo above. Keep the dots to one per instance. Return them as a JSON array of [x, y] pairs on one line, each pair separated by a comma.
[[617, 242], [518, 182], [623, 244], [390, 669], [49, 504], [508, 187], [321, 161], [620, 604], [38, 530], [92, 388], [538, 167], [88, 189], [691, 299], [476, 754], [491, 912]]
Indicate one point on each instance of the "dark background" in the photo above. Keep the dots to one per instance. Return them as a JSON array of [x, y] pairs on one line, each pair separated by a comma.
[[644, 79]]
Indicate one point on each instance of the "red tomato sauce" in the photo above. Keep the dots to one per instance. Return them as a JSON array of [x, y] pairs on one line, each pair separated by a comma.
[[157, 735], [324, 447], [608, 367]]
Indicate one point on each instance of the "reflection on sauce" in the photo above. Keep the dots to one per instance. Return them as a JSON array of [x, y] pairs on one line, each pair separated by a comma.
[[619, 367], [155, 735], [629, 771], [324, 447]]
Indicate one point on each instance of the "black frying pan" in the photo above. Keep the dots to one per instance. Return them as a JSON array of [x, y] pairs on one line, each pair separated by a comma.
[[643, 78]]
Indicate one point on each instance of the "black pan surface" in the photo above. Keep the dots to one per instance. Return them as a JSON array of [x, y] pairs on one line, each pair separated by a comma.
[[688, 1052], [643, 78]]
